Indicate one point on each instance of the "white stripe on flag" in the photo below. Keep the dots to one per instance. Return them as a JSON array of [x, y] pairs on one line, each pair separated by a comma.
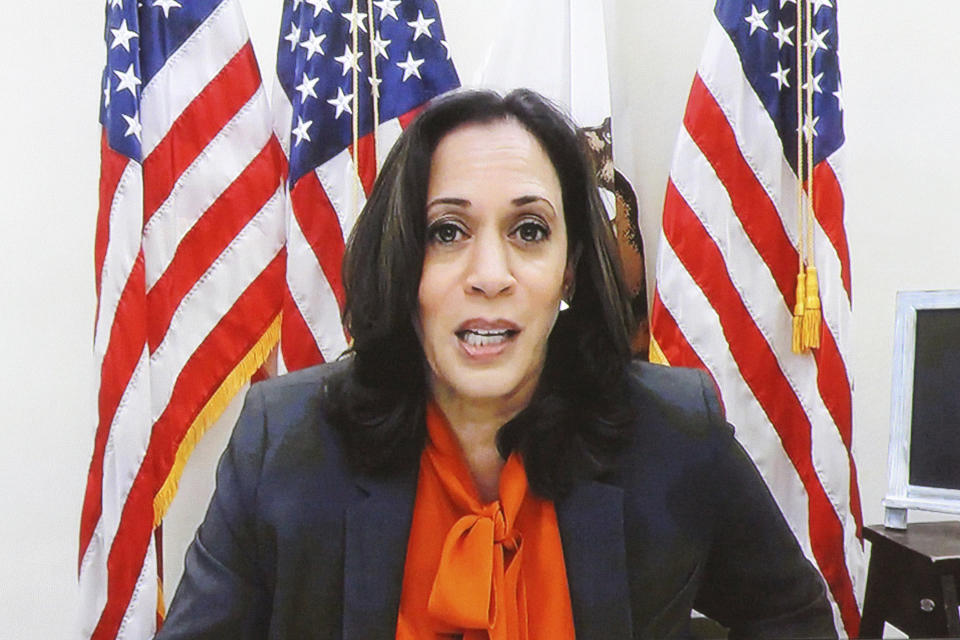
[[338, 177], [125, 448], [213, 295], [387, 134], [313, 295], [123, 247], [191, 68], [140, 619], [213, 171]]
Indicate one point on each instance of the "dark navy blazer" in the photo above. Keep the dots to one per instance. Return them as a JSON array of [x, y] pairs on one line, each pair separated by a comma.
[[296, 544]]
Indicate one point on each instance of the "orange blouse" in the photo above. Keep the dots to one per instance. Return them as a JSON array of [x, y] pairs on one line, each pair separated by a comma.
[[491, 570]]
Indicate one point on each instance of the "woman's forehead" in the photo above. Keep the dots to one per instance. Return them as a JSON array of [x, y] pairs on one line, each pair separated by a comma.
[[502, 149]]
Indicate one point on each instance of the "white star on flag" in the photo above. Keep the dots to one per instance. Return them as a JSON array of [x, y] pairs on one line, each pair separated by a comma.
[[320, 6], [341, 102], [166, 5], [306, 87], [128, 80], [349, 60], [313, 44], [816, 83], [116, 3], [808, 127], [783, 36], [838, 94], [106, 93], [133, 125], [301, 131], [421, 26], [355, 18], [781, 76], [293, 37], [387, 8], [816, 40], [122, 36], [410, 66], [379, 46], [784, 3], [756, 19], [374, 85]]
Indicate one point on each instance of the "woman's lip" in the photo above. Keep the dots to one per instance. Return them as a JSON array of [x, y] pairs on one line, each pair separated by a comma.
[[484, 324]]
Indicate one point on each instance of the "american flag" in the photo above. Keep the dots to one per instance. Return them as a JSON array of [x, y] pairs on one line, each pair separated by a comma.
[[189, 263], [350, 75], [728, 263]]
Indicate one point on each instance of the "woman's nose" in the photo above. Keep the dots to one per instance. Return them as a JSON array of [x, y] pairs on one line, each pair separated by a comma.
[[489, 271]]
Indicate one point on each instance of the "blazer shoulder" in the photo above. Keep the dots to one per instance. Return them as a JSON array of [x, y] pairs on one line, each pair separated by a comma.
[[682, 396], [284, 417]]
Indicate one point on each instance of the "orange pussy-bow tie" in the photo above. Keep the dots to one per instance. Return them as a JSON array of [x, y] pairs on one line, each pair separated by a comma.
[[479, 586]]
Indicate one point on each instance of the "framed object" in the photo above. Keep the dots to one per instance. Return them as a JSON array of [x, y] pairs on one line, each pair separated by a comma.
[[924, 453]]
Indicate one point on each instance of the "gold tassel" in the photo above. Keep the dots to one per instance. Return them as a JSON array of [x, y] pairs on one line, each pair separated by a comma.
[[798, 313], [811, 312]]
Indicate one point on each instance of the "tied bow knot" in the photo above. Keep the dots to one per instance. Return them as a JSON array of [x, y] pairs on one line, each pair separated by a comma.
[[477, 587]]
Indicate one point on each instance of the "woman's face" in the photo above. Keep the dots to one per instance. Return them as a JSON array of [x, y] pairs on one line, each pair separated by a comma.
[[495, 263]]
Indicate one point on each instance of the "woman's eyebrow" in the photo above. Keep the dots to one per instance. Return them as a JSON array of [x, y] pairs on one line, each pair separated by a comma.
[[460, 202], [522, 200]]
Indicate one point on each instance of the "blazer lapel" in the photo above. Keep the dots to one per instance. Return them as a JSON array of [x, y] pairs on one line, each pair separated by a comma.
[[377, 530], [591, 529]]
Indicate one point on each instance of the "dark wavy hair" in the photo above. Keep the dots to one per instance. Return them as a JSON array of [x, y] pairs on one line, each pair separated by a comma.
[[576, 421]]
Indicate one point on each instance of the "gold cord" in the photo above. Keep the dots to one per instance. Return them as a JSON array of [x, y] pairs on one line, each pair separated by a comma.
[[811, 312], [374, 89], [801, 289], [355, 115]]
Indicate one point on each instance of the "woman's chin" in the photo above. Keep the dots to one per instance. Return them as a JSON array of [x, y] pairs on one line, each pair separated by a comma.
[[493, 384]]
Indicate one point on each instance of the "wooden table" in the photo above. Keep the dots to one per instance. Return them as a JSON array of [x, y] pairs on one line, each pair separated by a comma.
[[912, 580]]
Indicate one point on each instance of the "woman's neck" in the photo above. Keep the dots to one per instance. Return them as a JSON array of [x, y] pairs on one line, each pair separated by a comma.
[[475, 425]]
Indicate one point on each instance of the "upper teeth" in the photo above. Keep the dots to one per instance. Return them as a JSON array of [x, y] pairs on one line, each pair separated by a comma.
[[480, 337]]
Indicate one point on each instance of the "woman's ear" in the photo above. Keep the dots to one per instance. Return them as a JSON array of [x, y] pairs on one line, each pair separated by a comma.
[[570, 274]]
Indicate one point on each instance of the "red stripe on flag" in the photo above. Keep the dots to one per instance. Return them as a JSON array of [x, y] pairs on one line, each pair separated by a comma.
[[761, 371], [709, 128], [670, 338], [298, 346], [320, 226], [406, 118], [828, 207], [834, 387], [226, 345], [112, 166], [200, 122], [210, 235], [125, 347], [677, 351], [367, 162]]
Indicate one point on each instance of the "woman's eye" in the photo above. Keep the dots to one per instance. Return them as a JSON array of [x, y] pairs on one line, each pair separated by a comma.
[[445, 233], [532, 232]]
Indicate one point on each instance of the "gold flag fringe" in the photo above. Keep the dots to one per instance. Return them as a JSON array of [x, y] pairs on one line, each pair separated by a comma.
[[656, 353], [211, 411]]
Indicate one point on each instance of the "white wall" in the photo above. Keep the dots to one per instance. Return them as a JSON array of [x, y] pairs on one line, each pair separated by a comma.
[[901, 94]]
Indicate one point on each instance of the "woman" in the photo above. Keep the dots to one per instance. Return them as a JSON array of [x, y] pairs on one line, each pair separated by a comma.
[[486, 464]]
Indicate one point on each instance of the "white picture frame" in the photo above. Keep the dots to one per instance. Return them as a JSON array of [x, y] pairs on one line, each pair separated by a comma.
[[901, 494]]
